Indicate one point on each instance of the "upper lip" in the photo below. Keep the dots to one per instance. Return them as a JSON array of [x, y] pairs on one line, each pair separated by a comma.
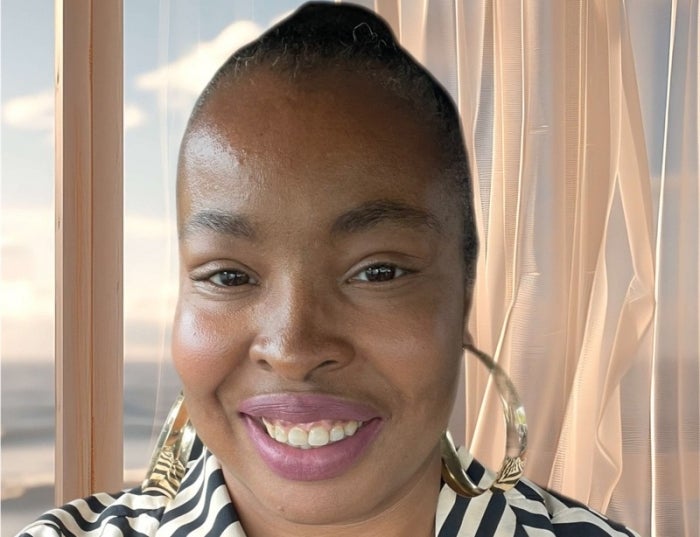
[[305, 408]]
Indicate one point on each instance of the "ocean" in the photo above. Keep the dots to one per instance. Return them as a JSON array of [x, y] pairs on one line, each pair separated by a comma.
[[27, 442]]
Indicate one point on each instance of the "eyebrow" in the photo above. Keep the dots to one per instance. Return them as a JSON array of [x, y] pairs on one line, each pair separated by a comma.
[[220, 222], [362, 218], [373, 213]]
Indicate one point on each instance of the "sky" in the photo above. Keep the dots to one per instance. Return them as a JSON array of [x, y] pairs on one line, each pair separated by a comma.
[[171, 49]]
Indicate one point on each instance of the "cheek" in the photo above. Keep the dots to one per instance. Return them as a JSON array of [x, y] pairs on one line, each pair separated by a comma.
[[419, 347], [203, 351]]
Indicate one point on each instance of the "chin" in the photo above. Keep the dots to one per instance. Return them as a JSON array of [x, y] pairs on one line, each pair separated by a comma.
[[361, 493]]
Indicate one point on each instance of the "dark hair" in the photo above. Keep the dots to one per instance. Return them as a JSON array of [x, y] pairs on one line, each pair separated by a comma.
[[323, 35]]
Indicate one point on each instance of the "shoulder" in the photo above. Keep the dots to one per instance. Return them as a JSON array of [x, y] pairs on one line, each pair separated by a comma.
[[128, 513], [131, 511], [201, 506], [567, 517], [527, 509]]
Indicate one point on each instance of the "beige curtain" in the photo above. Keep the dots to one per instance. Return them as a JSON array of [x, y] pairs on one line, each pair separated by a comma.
[[582, 124]]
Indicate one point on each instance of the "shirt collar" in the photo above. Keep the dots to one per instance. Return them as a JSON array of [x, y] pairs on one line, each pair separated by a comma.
[[203, 505]]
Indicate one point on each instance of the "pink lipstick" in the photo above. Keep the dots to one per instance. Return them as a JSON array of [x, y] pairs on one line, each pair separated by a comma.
[[298, 414]]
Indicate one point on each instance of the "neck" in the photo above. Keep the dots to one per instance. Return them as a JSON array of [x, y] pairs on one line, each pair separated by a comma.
[[411, 511]]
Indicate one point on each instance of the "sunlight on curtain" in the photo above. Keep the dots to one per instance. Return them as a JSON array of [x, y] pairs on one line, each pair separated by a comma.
[[582, 126]]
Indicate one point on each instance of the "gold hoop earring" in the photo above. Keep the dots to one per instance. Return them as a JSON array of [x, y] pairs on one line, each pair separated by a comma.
[[516, 440], [172, 451]]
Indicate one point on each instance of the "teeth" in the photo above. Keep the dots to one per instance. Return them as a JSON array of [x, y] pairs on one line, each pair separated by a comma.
[[337, 433], [350, 428], [270, 428], [318, 436], [297, 437], [280, 434], [310, 435]]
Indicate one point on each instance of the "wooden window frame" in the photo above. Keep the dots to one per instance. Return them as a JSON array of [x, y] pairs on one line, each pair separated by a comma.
[[89, 247]]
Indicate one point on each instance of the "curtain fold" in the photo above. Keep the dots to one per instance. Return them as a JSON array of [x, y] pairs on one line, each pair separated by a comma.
[[581, 120]]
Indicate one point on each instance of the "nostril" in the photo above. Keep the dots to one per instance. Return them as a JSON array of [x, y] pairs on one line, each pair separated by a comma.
[[265, 365]]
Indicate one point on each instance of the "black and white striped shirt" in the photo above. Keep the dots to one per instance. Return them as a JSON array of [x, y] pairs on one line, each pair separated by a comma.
[[202, 507]]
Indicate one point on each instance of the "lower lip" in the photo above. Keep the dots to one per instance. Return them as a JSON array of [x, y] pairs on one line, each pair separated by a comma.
[[313, 464]]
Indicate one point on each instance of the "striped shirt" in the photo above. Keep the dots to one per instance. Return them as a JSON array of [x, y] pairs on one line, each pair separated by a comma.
[[202, 507]]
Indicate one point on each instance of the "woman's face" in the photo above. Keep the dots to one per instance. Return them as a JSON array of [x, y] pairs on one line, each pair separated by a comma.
[[322, 295]]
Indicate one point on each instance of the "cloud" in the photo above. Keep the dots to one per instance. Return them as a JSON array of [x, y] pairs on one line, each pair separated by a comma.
[[30, 112], [150, 268], [144, 227], [180, 81], [35, 112], [26, 253], [27, 281], [133, 116]]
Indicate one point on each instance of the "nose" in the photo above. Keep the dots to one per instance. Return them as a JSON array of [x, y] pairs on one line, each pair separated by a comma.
[[300, 334]]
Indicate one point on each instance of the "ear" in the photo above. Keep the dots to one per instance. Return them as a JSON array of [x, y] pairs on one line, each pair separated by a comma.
[[467, 338]]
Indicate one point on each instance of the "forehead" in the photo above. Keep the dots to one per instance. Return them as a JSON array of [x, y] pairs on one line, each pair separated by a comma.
[[307, 138], [257, 108]]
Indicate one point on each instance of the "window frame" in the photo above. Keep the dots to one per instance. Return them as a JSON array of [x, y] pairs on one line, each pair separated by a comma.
[[89, 247]]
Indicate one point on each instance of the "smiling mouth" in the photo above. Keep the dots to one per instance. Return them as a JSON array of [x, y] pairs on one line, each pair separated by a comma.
[[310, 435]]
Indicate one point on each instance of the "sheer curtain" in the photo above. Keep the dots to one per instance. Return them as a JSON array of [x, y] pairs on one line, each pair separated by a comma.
[[581, 118], [582, 125]]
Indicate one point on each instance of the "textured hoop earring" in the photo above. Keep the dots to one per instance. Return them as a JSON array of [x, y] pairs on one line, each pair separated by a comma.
[[516, 440], [172, 451]]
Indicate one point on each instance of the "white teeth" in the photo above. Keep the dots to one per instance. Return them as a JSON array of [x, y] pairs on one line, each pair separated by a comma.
[[297, 437], [337, 433], [318, 436], [280, 434], [350, 428], [270, 428], [307, 436]]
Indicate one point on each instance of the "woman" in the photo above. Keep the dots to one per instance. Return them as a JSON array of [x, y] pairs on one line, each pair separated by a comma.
[[327, 251]]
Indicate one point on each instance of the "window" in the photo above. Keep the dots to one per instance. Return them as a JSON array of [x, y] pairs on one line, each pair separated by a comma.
[[26, 260]]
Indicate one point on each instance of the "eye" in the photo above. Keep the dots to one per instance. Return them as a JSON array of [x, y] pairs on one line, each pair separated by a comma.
[[379, 273], [230, 278]]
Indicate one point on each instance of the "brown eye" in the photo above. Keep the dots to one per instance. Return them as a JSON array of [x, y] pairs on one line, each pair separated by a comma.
[[379, 273], [230, 278]]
